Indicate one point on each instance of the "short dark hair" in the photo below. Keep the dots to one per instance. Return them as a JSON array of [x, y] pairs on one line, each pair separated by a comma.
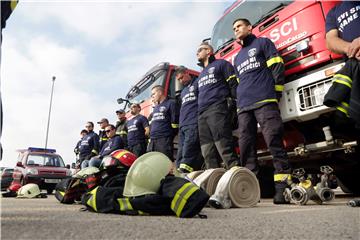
[[180, 69], [246, 21], [84, 131], [91, 123], [158, 87], [204, 43], [112, 127]]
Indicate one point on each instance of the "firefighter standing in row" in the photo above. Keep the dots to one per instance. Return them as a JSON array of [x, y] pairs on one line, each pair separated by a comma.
[[260, 70], [121, 128], [138, 131], [102, 135], [343, 37], [189, 152], [216, 83], [89, 146], [164, 123]]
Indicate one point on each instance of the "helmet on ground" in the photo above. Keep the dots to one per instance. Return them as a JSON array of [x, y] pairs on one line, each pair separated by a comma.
[[145, 174], [118, 159], [14, 187], [30, 190]]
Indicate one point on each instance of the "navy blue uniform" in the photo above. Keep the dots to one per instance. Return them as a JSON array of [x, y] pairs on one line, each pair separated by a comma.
[[111, 145], [260, 70], [89, 146], [189, 153], [136, 134], [102, 138], [345, 17], [216, 83], [164, 125]]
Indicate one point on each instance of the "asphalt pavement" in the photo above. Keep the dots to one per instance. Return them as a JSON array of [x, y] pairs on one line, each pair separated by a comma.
[[48, 219]]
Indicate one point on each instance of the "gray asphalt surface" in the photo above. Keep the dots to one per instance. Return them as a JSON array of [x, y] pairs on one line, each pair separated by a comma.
[[48, 219]]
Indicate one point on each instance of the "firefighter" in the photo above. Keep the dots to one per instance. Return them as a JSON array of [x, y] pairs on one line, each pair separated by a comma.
[[164, 123], [343, 37], [89, 146], [189, 152], [77, 147], [260, 71], [114, 143], [342, 29], [138, 131], [216, 83], [102, 135], [121, 128]]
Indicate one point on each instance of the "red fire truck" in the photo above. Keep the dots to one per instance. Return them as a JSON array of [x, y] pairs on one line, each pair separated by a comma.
[[162, 74], [312, 136]]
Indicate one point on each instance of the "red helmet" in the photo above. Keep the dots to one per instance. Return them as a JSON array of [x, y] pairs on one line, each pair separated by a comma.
[[14, 187], [119, 158]]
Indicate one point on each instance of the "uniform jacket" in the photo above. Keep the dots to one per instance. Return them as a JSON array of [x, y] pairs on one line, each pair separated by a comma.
[[89, 146], [164, 122], [111, 145]]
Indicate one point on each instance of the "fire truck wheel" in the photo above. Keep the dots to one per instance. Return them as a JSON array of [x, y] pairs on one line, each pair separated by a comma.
[[349, 181]]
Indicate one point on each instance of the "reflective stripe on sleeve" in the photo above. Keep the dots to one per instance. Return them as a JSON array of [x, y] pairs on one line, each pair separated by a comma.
[[231, 77], [186, 167], [344, 108], [268, 100], [279, 88], [94, 151], [274, 60], [343, 79], [181, 197], [124, 204], [174, 125]]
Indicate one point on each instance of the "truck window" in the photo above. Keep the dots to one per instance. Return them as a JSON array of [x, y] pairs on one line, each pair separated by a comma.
[[41, 160], [143, 91], [252, 10]]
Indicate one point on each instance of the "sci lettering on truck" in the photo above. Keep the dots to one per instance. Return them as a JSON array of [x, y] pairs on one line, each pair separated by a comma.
[[284, 30]]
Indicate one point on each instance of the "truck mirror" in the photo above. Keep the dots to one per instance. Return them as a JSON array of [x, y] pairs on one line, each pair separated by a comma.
[[73, 165], [67, 166], [19, 164]]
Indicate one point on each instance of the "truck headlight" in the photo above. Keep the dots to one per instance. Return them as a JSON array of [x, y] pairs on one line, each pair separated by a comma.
[[32, 171]]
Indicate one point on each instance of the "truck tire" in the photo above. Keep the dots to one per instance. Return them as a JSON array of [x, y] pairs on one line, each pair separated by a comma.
[[49, 190], [348, 180]]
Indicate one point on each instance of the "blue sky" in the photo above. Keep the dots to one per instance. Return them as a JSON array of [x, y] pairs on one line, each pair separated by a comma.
[[97, 50]]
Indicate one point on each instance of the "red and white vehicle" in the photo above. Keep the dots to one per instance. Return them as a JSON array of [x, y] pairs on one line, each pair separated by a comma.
[[43, 167], [297, 28]]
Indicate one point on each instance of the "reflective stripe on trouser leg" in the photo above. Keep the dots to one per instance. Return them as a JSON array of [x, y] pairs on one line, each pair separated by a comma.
[[190, 148]]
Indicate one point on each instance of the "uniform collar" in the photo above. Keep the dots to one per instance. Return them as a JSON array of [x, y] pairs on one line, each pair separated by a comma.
[[248, 39], [211, 59]]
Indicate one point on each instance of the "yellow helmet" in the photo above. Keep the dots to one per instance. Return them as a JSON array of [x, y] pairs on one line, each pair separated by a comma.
[[29, 190], [145, 174]]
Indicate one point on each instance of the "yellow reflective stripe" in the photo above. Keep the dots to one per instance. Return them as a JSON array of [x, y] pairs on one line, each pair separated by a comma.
[[305, 184], [104, 139], [342, 79], [92, 200], [120, 154], [229, 78], [279, 88], [344, 107], [343, 82], [282, 177], [238, 80], [274, 60], [61, 193], [122, 132], [94, 151], [124, 204], [346, 78], [174, 125], [181, 197], [186, 167], [267, 100], [13, 5]]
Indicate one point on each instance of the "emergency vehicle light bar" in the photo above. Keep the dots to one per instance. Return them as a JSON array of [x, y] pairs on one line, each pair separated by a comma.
[[35, 149]]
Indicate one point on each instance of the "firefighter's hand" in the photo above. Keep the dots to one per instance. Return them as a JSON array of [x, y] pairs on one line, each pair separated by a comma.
[[354, 49]]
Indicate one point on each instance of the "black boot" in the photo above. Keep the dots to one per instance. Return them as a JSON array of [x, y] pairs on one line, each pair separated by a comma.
[[279, 197]]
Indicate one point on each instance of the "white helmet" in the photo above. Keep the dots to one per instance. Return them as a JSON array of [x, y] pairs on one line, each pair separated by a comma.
[[29, 190], [145, 174]]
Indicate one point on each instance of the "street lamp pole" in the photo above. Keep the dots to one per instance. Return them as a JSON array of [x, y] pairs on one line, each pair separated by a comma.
[[48, 123]]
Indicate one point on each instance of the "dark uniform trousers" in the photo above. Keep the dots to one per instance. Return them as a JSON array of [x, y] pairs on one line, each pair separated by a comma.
[[189, 152], [268, 116], [163, 145], [138, 149], [215, 135]]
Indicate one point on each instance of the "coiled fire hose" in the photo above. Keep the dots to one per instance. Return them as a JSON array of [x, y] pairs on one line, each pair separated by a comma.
[[194, 174], [238, 187], [209, 179]]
